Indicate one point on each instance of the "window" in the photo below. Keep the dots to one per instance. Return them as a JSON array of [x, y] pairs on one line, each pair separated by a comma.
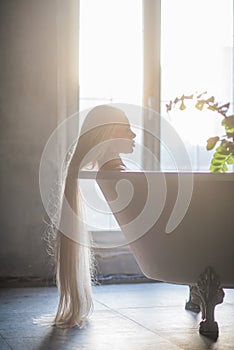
[[196, 56]]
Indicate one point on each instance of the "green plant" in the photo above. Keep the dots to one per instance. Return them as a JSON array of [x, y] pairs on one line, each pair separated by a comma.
[[224, 152]]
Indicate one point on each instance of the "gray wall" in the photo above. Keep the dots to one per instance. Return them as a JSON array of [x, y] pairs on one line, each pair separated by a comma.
[[35, 95]]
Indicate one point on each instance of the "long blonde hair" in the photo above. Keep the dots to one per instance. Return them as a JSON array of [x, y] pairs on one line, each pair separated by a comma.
[[73, 257]]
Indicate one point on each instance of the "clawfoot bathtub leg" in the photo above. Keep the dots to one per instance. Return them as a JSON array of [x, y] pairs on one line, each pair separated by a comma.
[[208, 294], [191, 304]]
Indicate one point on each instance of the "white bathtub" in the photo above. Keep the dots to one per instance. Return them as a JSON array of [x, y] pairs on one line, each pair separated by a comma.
[[203, 238]]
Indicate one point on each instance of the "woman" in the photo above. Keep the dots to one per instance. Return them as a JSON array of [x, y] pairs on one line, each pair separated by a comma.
[[105, 134]]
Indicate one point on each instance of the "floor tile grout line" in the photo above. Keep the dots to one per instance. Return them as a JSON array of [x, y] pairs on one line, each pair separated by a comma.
[[144, 307], [137, 323], [5, 340]]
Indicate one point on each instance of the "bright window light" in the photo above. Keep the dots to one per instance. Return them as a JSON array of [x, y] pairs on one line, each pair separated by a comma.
[[110, 52], [196, 56], [110, 71]]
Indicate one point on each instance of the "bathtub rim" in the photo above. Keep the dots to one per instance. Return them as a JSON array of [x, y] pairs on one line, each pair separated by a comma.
[[115, 174]]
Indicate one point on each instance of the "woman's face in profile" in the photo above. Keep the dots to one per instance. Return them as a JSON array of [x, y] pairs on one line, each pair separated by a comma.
[[126, 136]]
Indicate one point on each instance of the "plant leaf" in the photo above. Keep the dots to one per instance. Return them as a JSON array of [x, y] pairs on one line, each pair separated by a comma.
[[211, 142], [210, 100], [228, 123], [200, 104], [169, 106], [203, 93], [215, 169], [224, 108], [218, 168], [213, 107], [224, 167], [230, 159], [182, 106], [222, 150], [221, 158]]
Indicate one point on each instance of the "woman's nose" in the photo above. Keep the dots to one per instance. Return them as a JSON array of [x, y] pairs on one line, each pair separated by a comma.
[[133, 134]]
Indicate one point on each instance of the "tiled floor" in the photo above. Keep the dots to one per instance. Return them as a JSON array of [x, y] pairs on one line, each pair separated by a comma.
[[127, 316]]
